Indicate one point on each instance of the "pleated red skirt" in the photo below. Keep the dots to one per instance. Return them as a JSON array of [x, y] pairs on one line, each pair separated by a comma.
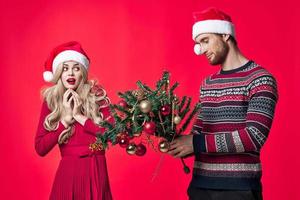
[[81, 177]]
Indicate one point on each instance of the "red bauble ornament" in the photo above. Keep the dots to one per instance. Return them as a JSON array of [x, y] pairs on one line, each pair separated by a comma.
[[123, 140], [123, 104], [149, 127], [165, 110], [140, 150]]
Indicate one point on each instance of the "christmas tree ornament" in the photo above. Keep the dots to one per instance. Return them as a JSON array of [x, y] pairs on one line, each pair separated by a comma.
[[123, 140], [177, 119], [123, 104], [165, 110], [139, 94], [96, 147], [164, 146], [149, 128], [145, 106], [131, 149], [140, 150]]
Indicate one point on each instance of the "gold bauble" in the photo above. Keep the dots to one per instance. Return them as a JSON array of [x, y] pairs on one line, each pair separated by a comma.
[[145, 106], [177, 119], [131, 149], [164, 146]]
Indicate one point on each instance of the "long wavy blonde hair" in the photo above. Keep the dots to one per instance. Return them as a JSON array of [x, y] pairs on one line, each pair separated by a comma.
[[92, 95]]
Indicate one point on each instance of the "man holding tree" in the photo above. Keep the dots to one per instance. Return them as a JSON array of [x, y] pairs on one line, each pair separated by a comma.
[[237, 110]]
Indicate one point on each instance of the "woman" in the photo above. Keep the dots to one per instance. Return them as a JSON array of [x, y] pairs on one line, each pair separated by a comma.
[[71, 112]]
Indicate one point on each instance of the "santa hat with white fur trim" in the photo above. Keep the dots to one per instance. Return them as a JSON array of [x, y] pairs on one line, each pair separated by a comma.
[[70, 51], [211, 20]]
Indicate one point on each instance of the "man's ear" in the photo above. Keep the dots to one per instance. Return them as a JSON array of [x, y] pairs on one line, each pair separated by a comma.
[[225, 37]]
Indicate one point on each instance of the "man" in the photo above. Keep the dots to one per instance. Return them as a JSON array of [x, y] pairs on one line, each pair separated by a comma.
[[237, 109]]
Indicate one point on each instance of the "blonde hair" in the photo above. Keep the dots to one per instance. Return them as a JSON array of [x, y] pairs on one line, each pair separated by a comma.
[[92, 95]]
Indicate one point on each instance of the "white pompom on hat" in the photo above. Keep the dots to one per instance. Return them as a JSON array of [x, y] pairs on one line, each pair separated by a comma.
[[197, 49], [211, 20], [70, 51]]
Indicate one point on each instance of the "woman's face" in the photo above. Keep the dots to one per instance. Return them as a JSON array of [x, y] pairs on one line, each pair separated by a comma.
[[71, 74]]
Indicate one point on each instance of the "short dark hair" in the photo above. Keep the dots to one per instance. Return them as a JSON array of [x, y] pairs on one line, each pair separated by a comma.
[[233, 40], [230, 38]]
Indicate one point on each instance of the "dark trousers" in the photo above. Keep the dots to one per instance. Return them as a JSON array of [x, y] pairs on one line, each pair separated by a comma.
[[205, 194]]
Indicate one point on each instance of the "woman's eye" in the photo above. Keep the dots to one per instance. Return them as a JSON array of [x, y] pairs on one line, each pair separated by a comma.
[[65, 68], [76, 68]]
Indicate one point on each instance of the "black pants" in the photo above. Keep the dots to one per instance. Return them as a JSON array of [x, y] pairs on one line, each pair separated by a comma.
[[205, 194]]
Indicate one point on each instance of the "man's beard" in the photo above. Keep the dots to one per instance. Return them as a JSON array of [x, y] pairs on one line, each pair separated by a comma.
[[220, 55]]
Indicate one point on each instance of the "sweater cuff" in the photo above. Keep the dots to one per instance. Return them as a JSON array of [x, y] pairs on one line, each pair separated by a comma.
[[199, 143]]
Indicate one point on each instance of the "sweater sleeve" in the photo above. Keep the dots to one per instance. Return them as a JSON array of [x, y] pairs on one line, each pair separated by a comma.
[[259, 117], [92, 128], [46, 140], [197, 126]]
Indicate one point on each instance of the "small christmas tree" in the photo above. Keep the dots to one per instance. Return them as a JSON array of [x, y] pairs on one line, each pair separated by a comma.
[[157, 113]]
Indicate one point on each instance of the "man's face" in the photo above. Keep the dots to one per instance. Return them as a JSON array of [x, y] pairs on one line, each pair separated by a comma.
[[214, 47]]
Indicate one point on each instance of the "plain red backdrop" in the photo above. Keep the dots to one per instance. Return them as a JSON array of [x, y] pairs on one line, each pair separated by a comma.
[[136, 40]]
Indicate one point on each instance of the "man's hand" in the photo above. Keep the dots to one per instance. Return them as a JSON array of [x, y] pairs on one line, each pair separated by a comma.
[[182, 146]]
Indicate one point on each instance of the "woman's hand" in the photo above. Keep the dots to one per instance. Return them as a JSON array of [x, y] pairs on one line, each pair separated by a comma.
[[77, 115], [67, 113]]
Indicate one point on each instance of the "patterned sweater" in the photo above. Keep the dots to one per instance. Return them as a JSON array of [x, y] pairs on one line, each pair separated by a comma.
[[236, 115]]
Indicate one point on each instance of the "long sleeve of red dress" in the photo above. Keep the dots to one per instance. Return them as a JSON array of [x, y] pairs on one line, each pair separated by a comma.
[[46, 140]]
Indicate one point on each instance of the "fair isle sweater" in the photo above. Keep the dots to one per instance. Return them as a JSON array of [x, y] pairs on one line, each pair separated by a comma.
[[237, 109]]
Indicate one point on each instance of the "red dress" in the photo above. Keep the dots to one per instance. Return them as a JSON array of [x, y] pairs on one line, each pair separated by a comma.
[[81, 174]]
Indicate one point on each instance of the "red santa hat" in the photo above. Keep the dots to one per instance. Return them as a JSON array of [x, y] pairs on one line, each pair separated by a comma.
[[70, 51], [211, 20]]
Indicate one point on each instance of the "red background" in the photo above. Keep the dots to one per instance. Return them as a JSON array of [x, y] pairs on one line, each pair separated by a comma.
[[128, 41]]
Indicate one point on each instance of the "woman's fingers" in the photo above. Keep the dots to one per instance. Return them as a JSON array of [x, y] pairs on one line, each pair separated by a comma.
[[70, 99], [67, 92], [76, 98], [75, 93], [67, 95]]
